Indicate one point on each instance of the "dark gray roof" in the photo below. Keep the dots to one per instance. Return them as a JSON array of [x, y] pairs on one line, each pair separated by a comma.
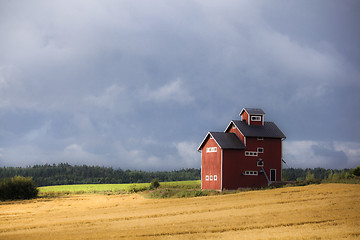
[[253, 111], [228, 140], [269, 130], [225, 140]]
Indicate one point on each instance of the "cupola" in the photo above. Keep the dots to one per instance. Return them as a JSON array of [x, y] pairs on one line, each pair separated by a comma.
[[253, 116]]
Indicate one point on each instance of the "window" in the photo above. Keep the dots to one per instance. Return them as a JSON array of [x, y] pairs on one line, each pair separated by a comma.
[[260, 138], [255, 118], [207, 178], [211, 177], [260, 162], [248, 153], [260, 150], [233, 126], [215, 177], [251, 173], [211, 149]]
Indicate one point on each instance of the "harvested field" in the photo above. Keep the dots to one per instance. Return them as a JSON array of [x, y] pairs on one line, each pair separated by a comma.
[[326, 211]]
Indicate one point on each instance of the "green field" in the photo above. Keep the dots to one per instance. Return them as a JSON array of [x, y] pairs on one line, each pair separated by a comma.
[[112, 188]]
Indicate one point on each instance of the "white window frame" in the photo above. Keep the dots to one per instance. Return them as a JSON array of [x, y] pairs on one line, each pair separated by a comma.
[[251, 173], [211, 149], [258, 165], [256, 118], [207, 178], [251, 154], [260, 150], [260, 138], [211, 177], [215, 177]]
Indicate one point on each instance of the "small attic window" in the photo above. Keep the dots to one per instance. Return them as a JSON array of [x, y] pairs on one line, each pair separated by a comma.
[[255, 118], [233, 126]]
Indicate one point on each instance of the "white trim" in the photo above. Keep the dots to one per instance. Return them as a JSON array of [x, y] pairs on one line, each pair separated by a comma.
[[257, 163], [256, 118], [211, 178], [222, 163], [205, 139], [251, 154], [228, 126], [251, 173], [201, 171], [211, 149]]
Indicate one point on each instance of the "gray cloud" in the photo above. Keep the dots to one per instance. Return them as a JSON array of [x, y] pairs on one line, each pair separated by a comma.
[[135, 84]]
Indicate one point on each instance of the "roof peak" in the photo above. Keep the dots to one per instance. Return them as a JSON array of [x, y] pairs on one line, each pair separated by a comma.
[[257, 111]]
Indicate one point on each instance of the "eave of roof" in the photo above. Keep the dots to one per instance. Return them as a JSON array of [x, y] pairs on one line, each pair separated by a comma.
[[224, 140], [253, 111]]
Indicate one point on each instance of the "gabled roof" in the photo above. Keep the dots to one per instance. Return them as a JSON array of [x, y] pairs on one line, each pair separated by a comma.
[[269, 129], [253, 111], [224, 140]]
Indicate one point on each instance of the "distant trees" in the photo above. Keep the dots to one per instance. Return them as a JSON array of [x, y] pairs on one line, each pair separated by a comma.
[[299, 174], [63, 174], [356, 171], [18, 188]]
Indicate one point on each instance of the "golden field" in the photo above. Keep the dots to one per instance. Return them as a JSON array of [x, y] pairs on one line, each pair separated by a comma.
[[326, 211]]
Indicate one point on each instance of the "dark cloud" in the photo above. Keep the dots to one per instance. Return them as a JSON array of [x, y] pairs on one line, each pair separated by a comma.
[[332, 157], [137, 84]]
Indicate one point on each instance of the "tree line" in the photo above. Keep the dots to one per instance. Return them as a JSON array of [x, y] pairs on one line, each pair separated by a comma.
[[63, 174]]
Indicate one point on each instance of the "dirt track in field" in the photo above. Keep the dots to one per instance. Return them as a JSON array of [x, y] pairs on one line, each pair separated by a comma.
[[327, 211]]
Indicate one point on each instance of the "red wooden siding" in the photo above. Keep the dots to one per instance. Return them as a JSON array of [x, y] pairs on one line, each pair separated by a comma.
[[236, 167], [245, 117], [257, 123], [237, 132], [271, 156], [211, 165]]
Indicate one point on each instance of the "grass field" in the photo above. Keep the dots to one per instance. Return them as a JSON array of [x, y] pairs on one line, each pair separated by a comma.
[[110, 188], [324, 211]]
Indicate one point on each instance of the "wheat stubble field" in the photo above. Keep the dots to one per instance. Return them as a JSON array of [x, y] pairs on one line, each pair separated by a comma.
[[326, 211]]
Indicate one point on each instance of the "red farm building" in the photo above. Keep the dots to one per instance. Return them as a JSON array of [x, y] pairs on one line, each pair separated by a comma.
[[248, 154]]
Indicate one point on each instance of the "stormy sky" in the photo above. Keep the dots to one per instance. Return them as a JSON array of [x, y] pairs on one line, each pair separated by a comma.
[[137, 84]]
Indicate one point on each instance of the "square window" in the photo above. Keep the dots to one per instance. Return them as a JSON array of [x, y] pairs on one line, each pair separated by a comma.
[[211, 149], [207, 178], [260, 150], [260, 163], [255, 118], [215, 177]]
